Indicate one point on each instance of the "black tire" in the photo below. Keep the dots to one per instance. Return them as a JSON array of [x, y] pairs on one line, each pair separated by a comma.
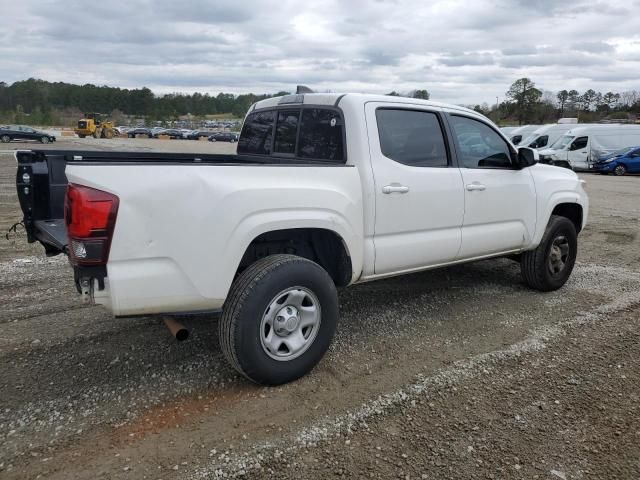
[[5, 139], [131, 136], [44, 140], [81, 135], [536, 265], [620, 170], [251, 295]]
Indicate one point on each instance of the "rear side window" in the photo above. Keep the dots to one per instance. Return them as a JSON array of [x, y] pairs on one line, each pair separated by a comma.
[[411, 137], [321, 135], [286, 131], [257, 134]]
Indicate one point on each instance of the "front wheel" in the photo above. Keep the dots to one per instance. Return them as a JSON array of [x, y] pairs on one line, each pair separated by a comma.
[[5, 138], [279, 319], [620, 170], [44, 140], [549, 266]]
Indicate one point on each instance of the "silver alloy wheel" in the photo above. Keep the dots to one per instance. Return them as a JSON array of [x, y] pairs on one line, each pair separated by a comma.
[[6, 139], [558, 255], [44, 139], [620, 170], [290, 323]]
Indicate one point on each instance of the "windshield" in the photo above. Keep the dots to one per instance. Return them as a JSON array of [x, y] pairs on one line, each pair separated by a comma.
[[562, 142]]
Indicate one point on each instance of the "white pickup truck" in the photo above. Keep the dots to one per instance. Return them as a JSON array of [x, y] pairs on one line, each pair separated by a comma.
[[326, 191]]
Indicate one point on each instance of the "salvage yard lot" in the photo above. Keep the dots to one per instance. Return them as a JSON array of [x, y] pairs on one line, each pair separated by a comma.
[[456, 373]]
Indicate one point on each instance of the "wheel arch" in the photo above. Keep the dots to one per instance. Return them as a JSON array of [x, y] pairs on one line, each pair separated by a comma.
[[572, 211], [567, 204], [322, 245]]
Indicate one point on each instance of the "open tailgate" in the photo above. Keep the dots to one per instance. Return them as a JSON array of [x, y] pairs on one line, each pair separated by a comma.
[[41, 185]]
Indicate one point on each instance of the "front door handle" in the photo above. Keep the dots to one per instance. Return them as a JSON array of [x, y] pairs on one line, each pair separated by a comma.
[[476, 186], [395, 188]]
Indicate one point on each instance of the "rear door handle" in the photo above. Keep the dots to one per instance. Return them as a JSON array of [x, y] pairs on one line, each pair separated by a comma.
[[476, 186], [395, 188]]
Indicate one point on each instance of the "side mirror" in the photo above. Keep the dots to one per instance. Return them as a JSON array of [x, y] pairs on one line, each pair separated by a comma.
[[527, 157]]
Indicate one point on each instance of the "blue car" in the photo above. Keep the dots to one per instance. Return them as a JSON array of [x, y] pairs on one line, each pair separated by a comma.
[[626, 160]]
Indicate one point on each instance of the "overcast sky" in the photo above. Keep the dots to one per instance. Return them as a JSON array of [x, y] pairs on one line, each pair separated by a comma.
[[461, 51]]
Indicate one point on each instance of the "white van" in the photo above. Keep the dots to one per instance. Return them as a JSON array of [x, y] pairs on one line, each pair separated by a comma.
[[581, 147], [519, 133], [547, 135]]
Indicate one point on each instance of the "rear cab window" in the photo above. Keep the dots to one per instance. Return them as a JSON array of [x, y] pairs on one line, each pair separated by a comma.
[[309, 133]]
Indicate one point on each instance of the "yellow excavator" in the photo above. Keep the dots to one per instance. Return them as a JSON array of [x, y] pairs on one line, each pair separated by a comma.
[[93, 126]]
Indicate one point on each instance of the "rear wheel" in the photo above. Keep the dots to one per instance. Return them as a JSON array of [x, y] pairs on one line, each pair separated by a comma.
[[549, 266], [44, 139], [279, 319], [620, 170], [81, 135], [5, 138]]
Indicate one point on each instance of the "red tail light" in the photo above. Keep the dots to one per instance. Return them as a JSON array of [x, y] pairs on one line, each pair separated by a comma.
[[90, 216]]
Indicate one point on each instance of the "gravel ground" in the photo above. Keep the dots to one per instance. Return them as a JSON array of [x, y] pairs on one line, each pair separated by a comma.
[[457, 373]]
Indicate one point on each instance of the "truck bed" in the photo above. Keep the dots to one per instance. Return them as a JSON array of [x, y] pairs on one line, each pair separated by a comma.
[[41, 183]]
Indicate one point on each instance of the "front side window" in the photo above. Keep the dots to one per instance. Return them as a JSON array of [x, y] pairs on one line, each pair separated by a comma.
[[257, 133], [411, 137], [321, 135], [286, 131], [478, 145], [578, 143]]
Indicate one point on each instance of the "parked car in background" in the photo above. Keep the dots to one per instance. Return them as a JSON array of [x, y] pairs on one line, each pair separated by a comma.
[[122, 130], [20, 132], [140, 131], [169, 132], [224, 137], [197, 134], [625, 160]]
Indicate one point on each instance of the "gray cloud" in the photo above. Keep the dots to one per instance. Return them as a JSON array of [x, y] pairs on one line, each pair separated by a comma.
[[462, 52]]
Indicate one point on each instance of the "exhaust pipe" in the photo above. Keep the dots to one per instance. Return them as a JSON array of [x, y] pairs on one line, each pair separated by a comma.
[[178, 330]]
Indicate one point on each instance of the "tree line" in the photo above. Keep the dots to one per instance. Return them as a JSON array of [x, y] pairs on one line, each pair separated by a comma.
[[525, 103], [39, 102]]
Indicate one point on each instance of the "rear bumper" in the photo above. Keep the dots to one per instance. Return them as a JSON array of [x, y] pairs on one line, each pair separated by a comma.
[[151, 286]]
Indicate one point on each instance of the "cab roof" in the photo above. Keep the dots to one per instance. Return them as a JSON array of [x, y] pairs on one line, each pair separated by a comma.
[[334, 99]]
